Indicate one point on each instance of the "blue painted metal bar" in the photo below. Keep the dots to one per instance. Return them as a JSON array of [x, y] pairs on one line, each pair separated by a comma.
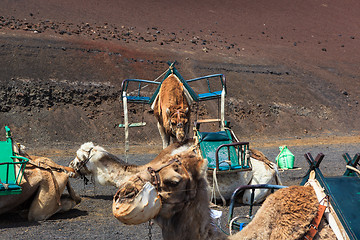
[[211, 94], [196, 97], [138, 98]]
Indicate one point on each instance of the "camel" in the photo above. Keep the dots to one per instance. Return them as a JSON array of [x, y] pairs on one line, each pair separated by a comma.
[[172, 111], [263, 172], [174, 192], [106, 168], [109, 170], [43, 185]]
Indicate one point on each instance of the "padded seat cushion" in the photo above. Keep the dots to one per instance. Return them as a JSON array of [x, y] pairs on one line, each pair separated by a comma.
[[214, 136]]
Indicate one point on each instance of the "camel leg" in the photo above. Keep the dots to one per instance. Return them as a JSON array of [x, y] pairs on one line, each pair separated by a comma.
[[67, 203], [164, 137], [73, 194]]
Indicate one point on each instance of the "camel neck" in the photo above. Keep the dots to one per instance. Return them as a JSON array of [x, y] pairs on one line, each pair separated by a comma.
[[194, 221]]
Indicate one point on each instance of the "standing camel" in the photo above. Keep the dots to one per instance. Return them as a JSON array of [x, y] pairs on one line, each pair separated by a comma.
[[174, 192], [172, 111]]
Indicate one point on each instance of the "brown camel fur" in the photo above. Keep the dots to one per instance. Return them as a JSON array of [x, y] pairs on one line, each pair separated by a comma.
[[172, 111], [43, 185], [285, 214], [185, 211]]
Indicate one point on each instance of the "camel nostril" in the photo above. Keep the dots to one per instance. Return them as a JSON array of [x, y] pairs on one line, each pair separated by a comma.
[[129, 191]]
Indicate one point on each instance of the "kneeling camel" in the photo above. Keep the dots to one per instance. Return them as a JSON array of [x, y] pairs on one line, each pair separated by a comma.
[[43, 185]]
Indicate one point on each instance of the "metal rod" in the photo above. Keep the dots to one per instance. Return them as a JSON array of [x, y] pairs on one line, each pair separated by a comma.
[[223, 109], [126, 122]]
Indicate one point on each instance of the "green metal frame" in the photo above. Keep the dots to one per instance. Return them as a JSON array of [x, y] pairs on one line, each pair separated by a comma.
[[10, 179], [138, 98]]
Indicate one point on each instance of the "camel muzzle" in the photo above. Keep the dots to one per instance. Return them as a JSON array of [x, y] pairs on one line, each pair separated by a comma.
[[132, 207]]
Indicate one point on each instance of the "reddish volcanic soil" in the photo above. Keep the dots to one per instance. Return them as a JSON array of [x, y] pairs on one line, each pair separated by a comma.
[[292, 68]]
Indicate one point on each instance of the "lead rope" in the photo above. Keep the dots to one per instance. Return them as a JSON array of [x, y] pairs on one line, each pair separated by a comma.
[[150, 228], [216, 187]]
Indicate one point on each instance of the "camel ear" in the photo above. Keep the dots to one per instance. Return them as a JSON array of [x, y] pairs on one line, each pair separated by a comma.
[[168, 111], [198, 167], [87, 146], [203, 166]]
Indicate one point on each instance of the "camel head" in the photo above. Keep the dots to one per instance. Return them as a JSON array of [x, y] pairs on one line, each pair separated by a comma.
[[164, 189], [178, 121], [83, 155]]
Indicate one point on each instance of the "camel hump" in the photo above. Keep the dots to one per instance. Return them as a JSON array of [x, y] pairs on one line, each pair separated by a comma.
[[258, 155]]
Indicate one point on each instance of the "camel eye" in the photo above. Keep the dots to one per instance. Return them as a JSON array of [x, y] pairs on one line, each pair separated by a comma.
[[172, 182]]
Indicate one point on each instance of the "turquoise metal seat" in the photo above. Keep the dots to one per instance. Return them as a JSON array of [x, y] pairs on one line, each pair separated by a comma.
[[209, 96], [343, 192], [345, 196], [11, 167], [222, 153]]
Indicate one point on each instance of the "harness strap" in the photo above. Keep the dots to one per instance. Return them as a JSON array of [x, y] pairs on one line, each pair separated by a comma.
[[83, 163], [155, 177], [313, 227], [43, 166]]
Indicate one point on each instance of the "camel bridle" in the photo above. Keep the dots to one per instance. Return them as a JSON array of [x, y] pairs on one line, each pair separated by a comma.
[[155, 177], [156, 181], [83, 165]]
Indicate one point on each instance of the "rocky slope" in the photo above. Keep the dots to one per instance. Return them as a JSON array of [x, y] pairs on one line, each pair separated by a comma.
[[292, 71]]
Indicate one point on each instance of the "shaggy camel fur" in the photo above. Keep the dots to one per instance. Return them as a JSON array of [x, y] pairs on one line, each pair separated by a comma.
[[286, 214], [172, 111], [185, 212], [43, 185]]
